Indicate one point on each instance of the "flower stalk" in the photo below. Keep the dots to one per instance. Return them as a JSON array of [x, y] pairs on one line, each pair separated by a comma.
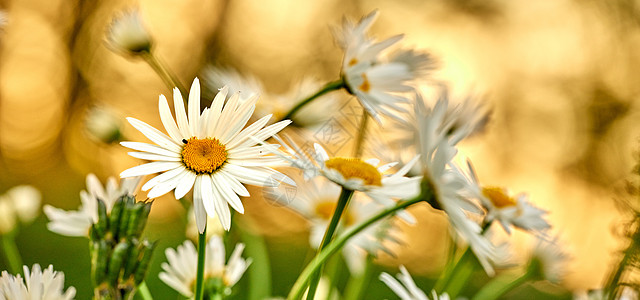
[[362, 132], [11, 253], [343, 201], [331, 86], [202, 246], [321, 257], [168, 77]]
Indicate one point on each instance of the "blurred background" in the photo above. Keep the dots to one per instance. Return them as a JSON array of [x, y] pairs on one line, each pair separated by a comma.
[[560, 78]]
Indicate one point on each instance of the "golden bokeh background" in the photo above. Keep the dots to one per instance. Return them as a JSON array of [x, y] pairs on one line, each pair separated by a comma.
[[560, 78]]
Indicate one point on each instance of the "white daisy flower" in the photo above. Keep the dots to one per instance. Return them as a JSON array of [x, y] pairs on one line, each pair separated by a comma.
[[181, 270], [355, 174], [127, 34], [449, 184], [78, 222], [316, 202], [512, 211], [36, 285], [549, 259], [376, 83], [103, 124], [406, 288], [209, 152], [19, 203]]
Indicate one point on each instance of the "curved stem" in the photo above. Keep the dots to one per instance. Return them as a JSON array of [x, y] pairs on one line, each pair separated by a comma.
[[143, 291], [331, 86], [498, 287], [343, 201], [322, 256], [202, 245], [362, 132], [169, 79], [11, 253]]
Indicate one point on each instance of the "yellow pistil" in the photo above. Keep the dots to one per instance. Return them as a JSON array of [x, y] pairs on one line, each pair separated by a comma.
[[365, 86], [325, 208], [203, 156], [353, 61], [498, 196], [355, 168]]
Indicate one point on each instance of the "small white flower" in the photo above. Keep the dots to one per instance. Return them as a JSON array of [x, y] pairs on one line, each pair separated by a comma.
[[127, 34], [37, 285], [208, 151], [355, 174], [378, 84], [549, 259], [512, 211], [451, 187], [246, 86], [406, 288], [78, 222], [181, 270], [19, 203], [316, 202], [103, 125]]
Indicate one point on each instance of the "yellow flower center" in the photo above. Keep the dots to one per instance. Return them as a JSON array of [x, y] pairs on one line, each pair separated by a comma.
[[355, 168], [203, 156], [365, 86], [325, 209], [353, 61], [498, 196]]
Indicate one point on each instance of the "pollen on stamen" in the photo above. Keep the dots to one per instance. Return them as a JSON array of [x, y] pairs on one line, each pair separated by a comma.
[[365, 86], [355, 168], [498, 196], [203, 156]]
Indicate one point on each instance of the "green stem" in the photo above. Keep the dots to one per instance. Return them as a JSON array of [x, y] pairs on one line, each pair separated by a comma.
[[362, 132], [331, 86], [299, 286], [169, 79], [143, 291], [499, 286], [12, 254], [202, 245], [343, 201], [356, 285], [260, 271]]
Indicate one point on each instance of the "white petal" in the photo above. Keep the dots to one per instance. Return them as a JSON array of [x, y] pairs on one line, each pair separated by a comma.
[[248, 131], [149, 168], [163, 177], [194, 107], [222, 185], [198, 205], [151, 156], [167, 119], [150, 148], [185, 185], [181, 115], [155, 135], [216, 108]]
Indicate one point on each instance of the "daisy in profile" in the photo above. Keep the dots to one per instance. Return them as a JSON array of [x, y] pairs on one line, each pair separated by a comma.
[[316, 202], [19, 203], [208, 151], [369, 177], [378, 83], [219, 277], [406, 288], [78, 222], [127, 34], [36, 285], [514, 211], [453, 190]]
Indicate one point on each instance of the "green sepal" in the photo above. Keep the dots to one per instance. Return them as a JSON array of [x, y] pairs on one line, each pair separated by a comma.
[[135, 215], [132, 261], [118, 258], [116, 214], [141, 271], [99, 260], [101, 225]]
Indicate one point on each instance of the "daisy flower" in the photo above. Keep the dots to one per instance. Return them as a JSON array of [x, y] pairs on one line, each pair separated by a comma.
[[406, 288], [512, 210], [181, 270], [317, 202], [355, 174], [127, 34], [247, 86], [378, 84], [36, 285], [19, 203], [452, 189], [78, 222], [103, 125], [548, 260], [208, 151]]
